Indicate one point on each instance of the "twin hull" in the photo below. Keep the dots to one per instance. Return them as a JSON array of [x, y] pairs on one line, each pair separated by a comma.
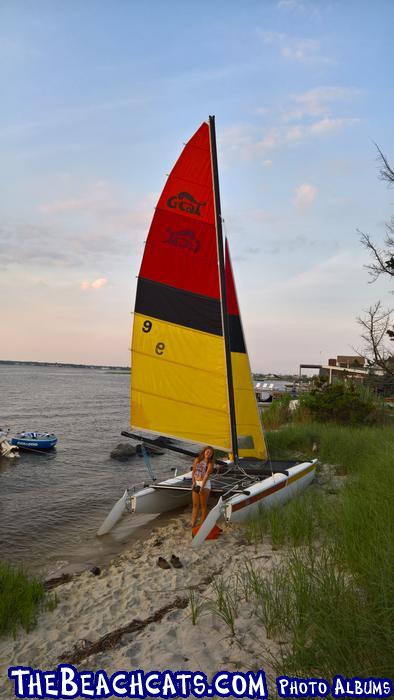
[[273, 491]]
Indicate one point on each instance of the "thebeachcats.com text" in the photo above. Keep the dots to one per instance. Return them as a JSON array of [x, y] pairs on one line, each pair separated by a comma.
[[67, 682]]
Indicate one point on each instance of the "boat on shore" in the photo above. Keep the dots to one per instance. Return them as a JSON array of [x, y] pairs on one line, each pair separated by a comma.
[[34, 440], [191, 378], [7, 449]]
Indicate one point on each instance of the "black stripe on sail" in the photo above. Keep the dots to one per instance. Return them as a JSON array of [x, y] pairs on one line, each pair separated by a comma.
[[178, 306], [237, 342]]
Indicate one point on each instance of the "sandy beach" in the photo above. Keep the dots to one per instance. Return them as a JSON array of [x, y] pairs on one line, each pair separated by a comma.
[[146, 612]]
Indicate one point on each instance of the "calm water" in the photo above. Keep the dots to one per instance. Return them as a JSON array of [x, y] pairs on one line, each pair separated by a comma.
[[52, 504]]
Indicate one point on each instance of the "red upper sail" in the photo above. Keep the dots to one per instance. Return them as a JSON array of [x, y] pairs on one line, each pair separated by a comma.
[[232, 302], [181, 249]]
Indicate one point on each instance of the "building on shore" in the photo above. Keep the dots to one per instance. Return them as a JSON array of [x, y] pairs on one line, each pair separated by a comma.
[[342, 366]]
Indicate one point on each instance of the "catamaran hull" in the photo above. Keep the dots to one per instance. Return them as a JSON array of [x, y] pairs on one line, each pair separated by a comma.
[[162, 498], [274, 491]]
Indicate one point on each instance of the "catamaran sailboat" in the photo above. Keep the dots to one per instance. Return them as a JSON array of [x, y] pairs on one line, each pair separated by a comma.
[[191, 378]]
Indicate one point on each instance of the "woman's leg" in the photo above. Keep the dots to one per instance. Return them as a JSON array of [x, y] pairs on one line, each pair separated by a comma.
[[195, 506], [204, 495]]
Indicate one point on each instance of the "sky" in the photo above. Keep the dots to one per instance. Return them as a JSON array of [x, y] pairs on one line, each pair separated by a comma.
[[97, 99]]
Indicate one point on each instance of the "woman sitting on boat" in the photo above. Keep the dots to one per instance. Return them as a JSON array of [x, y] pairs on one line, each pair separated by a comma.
[[201, 484]]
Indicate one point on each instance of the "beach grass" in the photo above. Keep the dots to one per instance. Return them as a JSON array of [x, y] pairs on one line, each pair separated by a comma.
[[196, 605], [331, 597], [20, 599], [225, 604], [296, 524]]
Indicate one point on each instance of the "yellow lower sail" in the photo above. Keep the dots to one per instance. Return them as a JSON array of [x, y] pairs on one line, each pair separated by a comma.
[[251, 441], [179, 385]]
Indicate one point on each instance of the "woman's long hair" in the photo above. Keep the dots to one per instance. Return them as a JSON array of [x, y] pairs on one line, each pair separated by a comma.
[[201, 455]]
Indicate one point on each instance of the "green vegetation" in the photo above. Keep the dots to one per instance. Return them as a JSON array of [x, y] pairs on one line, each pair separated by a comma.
[[330, 599], [337, 591], [20, 600], [296, 524], [277, 413], [344, 403], [197, 606], [226, 602]]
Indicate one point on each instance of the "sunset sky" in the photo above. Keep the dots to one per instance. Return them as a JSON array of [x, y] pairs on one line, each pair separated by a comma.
[[97, 99]]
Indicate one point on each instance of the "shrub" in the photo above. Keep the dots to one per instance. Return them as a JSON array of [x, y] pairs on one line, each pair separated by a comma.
[[278, 413], [20, 599], [341, 403]]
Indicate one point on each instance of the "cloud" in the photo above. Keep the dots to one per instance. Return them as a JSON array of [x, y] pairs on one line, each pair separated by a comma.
[[332, 273], [305, 51], [248, 142], [302, 51], [244, 142], [305, 195], [322, 127], [285, 246], [78, 231], [295, 133], [271, 37], [100, 282], [290, 4], [318, 101], [96, 284], [314, 111], [306, 115], [261, 111], [311, 8], [72, 116], [98, 199], [327, 126]]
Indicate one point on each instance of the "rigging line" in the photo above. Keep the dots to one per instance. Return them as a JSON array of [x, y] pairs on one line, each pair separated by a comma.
[[266, 443], [147, 462], [259, 413], [223, 288]]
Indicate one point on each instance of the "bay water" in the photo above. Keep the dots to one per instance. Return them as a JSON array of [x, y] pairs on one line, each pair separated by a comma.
[[52, 503]]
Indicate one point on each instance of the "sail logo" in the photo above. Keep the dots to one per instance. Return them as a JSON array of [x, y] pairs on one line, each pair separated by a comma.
[[185, 202], [183, 239]]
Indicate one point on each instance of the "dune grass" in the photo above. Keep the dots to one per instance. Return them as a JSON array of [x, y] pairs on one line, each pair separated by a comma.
[[355, 448], [299, 523], [332, 596], [20, 600]]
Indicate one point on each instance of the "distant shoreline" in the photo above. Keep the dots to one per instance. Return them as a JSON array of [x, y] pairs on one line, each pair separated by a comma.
[[257, 376], [63, 364]]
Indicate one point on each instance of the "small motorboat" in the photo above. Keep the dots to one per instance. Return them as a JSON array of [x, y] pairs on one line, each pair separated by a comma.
[[34, 440], [6, 448]]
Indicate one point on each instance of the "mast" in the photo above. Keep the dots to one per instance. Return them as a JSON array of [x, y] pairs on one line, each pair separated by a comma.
[[223, 291]]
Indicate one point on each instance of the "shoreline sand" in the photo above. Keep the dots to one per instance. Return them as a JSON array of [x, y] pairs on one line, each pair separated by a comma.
[[135, 615]]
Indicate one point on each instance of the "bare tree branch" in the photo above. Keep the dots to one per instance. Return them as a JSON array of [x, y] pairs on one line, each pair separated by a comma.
[[376, 325], [380, 266], [383, 260], [386, 173]]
